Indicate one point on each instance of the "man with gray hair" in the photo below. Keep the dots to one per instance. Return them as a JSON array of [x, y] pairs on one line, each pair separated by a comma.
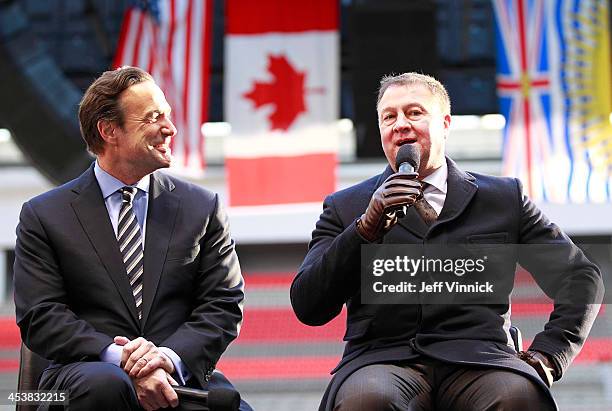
[[422, 356]]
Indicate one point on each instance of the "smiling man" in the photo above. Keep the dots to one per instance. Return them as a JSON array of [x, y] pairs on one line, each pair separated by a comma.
[[438, 356], [127, 278]]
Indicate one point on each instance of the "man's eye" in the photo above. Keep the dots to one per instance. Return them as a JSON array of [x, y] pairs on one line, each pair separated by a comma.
[[387, 117], [415, 113]]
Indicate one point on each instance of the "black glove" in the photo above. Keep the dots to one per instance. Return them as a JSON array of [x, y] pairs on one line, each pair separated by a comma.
[[541, 364], [398, 191]]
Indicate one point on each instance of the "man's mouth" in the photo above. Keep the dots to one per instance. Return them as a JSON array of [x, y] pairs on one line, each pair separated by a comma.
[[406, 141], [162, 148]]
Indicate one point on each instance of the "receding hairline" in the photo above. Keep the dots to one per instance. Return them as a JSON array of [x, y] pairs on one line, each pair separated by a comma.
[[415, 79]]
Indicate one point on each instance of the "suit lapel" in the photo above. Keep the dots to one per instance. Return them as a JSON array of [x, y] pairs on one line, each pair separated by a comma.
[[92, 214], [161, 216], [461, 189], [414, 223]]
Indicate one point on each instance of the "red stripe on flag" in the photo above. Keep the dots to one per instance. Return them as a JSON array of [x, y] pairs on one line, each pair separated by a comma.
[[279, 180], [526, 106], [138, 42], [169, 51], [125, 29], [207, 50], [186, 73], [153, 46], [280, 16]]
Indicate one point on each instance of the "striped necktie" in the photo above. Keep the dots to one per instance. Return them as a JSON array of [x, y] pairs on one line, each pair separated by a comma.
[[130, 244], [425, 210]]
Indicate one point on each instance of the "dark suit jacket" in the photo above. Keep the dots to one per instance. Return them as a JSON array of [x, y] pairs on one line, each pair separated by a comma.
[[477, 207], [72, 293]]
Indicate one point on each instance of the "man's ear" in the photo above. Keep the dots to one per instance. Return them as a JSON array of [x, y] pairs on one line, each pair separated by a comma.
[[447, 123], [107, 130]]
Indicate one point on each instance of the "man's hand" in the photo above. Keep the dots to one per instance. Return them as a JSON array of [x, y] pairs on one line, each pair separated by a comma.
[[154, 390], [140, 357], [399, 190], [540, 363]]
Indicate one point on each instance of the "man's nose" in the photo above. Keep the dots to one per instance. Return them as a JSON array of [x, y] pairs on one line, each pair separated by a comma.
[[402, 123], [169, 128]]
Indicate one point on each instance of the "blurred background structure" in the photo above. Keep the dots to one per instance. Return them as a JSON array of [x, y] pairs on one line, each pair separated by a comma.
[[290, 86]]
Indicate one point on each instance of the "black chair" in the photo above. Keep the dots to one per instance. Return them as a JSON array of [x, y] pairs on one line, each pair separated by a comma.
[[517, 338], [31, 366]]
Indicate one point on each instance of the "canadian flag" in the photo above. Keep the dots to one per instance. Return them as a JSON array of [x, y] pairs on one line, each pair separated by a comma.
[[281, 100]]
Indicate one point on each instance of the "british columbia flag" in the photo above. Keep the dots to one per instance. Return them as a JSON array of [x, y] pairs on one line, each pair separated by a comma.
[[554, 87]]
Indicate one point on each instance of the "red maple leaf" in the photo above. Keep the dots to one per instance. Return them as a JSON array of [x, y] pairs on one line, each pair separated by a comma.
[[285, 92]]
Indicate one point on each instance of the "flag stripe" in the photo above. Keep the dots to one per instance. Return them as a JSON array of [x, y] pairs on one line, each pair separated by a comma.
[[186, 76], [208, 34], [123, 41], [266, 16]]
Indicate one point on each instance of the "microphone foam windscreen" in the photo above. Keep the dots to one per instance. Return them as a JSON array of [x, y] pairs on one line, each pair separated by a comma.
[[223, 399], [408, 153]]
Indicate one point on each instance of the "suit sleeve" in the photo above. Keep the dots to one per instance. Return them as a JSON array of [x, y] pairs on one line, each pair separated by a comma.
[[41, 302], [566, 275], [330, 273], [217, 315]]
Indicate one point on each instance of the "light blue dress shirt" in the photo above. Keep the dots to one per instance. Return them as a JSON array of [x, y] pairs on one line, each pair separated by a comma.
[[110, 187]]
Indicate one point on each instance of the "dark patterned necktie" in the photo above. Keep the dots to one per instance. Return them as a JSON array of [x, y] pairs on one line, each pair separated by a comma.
[[130, 244], [425, 210]]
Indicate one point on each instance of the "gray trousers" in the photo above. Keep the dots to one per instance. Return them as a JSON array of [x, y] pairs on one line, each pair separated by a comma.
[[426, 384]]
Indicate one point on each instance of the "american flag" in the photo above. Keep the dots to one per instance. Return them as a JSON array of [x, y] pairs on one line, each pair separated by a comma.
[[171, 39]]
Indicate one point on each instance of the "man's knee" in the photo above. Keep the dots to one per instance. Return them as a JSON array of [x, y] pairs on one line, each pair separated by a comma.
[[505, 390], [381, 387], [519, 393], [99, 385]]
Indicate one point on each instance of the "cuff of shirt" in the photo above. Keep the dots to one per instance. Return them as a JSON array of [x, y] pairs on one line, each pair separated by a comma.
[[181, 373], [112, 354]]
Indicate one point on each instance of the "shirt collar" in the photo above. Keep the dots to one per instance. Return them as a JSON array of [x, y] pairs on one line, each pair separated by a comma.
[[438, 178], [109, 184]]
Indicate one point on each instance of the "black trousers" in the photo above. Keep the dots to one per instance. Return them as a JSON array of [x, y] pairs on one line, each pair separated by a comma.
[[426, 384], [103, 386]]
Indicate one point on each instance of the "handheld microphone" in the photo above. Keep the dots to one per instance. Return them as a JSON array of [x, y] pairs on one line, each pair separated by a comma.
[[407, 161], [408, 158], [218, 399]]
